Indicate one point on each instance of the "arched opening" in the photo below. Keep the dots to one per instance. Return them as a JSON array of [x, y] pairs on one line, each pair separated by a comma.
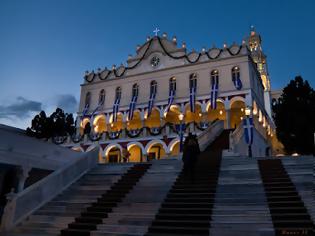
[[135, 153], [99, 124], [172, 115], [83, 124], [193, 116], [175, 149], [101, 98], [219, 113], [156, 151], [117, 126], [135, 123], [113, 154], [153, 120], [237, 113]]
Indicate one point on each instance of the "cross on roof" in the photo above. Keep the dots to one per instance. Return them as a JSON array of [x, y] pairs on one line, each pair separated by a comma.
[[156, 31]]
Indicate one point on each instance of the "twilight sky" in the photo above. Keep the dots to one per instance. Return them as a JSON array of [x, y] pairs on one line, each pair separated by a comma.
[[46, 46]]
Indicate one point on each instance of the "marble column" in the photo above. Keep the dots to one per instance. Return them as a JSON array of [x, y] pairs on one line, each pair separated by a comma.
[[228, 118]]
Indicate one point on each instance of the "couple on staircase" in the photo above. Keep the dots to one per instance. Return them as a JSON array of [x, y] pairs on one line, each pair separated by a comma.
[[191, 152]]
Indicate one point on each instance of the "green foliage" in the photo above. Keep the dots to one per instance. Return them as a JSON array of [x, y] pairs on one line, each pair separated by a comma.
[[294, 116], [56, 125]]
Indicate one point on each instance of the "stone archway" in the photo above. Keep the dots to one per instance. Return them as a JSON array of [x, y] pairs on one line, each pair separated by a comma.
[[113, 153], [237, 113], [156, 149], [218, 113], [136, 151], [172, 115], [193, 116], [99, 124]]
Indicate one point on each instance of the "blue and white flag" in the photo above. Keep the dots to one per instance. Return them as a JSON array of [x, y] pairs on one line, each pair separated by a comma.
[[151, 101], [85, 110], [132, 106], [170, 100], [237, 81], [192, 97], [248, 130], [116, 109], [214, 92], [97, 108]]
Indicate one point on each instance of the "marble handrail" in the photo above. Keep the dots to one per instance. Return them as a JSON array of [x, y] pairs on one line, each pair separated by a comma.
[[208, 135], [24, 203]]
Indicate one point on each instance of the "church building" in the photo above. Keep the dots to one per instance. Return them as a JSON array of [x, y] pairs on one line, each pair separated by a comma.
[[164, 92]]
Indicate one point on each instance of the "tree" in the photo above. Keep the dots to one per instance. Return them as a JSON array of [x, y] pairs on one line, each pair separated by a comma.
[[294, 116], [57, 124]]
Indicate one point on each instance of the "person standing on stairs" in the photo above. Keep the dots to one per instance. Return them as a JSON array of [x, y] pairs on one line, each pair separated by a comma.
[[191, 151]]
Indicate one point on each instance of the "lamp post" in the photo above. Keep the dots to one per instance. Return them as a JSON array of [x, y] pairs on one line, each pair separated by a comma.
[[181, 118], [247, 113]]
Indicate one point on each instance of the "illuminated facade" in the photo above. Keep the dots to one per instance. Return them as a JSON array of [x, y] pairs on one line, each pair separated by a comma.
[[138, 106]]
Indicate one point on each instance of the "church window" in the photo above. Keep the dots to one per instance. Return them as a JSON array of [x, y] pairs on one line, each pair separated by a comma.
[[214, 75], [101, 98], [172, 84], [193, 80], [135, 90], [153, 87], [87, 99], [235, 72], [118, 92]]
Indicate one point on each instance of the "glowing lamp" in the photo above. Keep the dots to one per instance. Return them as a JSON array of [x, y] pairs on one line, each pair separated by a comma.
[[221, 112], [247, 111], [181, 117]]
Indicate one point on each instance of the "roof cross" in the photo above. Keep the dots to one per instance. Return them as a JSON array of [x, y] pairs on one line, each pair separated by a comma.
[[156, 31]]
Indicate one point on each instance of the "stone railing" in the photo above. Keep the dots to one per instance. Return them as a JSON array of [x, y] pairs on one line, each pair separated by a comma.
[[235, 137], [22, 204], [208, 135]]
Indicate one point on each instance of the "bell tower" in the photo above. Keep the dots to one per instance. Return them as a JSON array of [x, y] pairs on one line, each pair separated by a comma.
[[254, 43]]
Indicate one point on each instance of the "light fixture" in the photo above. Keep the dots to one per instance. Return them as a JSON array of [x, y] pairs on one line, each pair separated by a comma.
[[200, 114], [241, 117], [242, 109], [112, 125], [181, 116], [247, 111], [184, 45], [221, 112]]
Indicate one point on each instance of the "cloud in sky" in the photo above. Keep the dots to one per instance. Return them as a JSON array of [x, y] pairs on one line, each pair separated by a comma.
[[67, 102], [20, 109]]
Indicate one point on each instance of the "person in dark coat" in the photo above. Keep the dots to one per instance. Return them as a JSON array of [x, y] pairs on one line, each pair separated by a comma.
[[191, 151]]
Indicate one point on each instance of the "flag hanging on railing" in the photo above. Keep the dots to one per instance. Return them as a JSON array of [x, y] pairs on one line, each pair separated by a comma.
[[248, 130], [97, 108], [170, 100], [132, 106], [192, 97], [116, 109], [85, 110], [151, 100], [236, 78], [214, 92]]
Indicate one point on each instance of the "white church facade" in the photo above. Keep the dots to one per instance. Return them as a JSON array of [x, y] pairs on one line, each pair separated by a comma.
[[141, 107]]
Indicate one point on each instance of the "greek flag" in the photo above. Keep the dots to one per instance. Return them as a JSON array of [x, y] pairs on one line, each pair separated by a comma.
[[132, 106], [116, 109], [151, 101], [192, 97], [170, 100], [214, 92], [97, 108], [248, 130], [237, 81], [85, 110]]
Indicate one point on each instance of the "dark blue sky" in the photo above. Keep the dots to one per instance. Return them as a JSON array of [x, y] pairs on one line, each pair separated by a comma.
[[45, 46]]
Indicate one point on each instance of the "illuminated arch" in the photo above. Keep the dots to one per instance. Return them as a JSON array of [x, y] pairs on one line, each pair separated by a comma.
[[172, 115], [129, 145], [193, 116], [118, 125], [237, 112], [154, 120], [135, 123], [136, 151], [153, 142], [83, 123], [172, 144], [99, 124], [236, 99], [110, 146]]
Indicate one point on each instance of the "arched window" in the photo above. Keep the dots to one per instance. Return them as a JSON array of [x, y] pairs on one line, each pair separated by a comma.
[[193, 80], [118, 93], [235, 73], [135, 90], [153, 87], [214, 75], [101, 98], [88, 99], [172, 84]]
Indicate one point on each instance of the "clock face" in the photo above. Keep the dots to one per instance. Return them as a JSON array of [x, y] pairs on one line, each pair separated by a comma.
[[155, 61]]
